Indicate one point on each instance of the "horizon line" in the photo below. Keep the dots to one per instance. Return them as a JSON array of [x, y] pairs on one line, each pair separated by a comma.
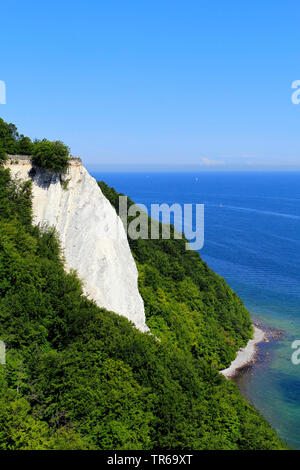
[[118, 168]]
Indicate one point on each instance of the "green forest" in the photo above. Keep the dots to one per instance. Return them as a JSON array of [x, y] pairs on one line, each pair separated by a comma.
[[80, 377]]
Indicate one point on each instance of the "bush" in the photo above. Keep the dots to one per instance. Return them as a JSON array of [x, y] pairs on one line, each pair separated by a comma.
[[51, 155]]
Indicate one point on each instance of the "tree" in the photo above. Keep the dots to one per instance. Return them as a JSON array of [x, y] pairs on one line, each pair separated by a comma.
[[52, 156], [8, 137], [25, 145]]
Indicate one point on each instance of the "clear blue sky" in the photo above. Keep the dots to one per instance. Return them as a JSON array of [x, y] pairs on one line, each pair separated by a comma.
[[156, 82]]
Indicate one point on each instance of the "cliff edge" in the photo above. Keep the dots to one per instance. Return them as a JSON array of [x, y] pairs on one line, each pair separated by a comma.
[[92, 235]]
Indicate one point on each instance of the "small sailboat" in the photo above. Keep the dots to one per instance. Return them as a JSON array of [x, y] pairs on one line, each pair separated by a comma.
[[221, 205]]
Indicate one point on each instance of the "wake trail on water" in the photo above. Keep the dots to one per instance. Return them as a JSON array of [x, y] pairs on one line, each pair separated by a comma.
[[248, 209]]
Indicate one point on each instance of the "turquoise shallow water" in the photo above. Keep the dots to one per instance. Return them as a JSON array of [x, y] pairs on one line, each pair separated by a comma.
[[252, 239]]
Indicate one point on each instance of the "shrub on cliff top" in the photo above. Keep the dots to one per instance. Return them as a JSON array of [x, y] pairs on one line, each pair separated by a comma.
[[51, 155], [46, 154]]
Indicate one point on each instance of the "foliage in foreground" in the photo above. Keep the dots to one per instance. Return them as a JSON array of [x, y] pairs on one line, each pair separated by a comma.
[[79, 377]]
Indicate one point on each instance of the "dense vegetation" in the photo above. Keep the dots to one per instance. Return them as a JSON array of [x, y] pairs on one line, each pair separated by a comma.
[[186, 303], [52, 156], [79, 377]]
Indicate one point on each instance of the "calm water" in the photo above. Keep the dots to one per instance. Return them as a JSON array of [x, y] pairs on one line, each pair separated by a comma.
[[252, 239]]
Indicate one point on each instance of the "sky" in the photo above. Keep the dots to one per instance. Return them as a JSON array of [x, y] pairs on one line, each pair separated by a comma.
[[156, 84]]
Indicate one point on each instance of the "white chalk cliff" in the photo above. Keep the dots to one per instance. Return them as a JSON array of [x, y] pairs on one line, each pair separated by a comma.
[[92, 235]]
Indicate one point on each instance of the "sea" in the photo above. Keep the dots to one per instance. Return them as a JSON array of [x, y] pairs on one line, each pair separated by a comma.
[[252, 239]]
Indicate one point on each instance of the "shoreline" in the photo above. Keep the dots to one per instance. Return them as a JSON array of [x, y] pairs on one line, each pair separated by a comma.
[[246, 355]]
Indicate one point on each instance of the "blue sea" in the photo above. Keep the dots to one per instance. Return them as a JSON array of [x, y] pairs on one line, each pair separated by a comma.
[[252, 239]]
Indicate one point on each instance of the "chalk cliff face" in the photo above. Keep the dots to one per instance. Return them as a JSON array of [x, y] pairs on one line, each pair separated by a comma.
[[93, 238]]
